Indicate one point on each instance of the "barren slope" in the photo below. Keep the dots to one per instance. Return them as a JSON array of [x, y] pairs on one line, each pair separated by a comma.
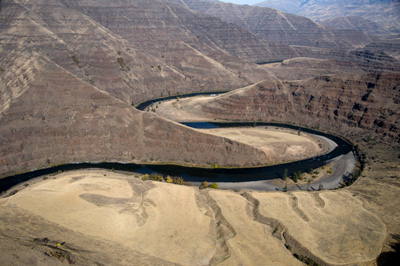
[[67, 82], [384, 12], [347, 104], [163, 223], [49, 123], [276, 26], [357, 23], [161, 26], [130, 55]]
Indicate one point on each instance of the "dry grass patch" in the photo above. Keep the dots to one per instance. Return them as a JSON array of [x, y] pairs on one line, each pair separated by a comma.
[[333, 226]]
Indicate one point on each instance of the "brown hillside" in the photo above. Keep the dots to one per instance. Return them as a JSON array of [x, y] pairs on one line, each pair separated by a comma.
[[340, 103]]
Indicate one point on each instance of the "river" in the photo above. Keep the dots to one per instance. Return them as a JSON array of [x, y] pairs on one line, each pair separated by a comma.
[[196, 175]]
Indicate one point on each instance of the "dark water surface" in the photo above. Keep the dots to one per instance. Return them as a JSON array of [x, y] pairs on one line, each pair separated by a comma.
[[192, 174]]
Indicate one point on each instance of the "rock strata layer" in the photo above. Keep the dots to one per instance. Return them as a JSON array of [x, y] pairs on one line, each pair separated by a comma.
[[359, 104]]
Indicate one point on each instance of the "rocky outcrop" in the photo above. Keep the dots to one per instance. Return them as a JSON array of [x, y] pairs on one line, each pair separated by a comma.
[[364, 104]]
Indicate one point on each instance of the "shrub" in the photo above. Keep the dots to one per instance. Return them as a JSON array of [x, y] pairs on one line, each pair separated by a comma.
[[168, 179], [177, 180], [145, 177], [75, 59], [121, 62], [214, 186], [204, 185], [285, 174], [157, 177]]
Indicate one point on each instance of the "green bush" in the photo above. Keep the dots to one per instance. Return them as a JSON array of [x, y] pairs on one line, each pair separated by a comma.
[[214, 186], [157, 177], [204, 185], [178, 180], [75, 59], [121, 62], [285, 174]]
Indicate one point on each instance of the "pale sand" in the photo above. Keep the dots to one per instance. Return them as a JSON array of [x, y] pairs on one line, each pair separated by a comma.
[[279, 144], [186, 225], [186, 109]]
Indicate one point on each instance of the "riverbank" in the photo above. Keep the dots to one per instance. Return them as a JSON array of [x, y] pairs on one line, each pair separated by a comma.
[[215, 173], [341, 167], [98, 216]]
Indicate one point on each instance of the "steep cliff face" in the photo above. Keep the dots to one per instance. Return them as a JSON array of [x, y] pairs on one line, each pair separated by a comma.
[[276, 26], [346, 104]]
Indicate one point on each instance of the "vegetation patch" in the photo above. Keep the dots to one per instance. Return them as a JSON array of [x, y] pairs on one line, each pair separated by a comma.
[[75, 59], [168, 179], [122, 64], [205, 185], [56, 250]]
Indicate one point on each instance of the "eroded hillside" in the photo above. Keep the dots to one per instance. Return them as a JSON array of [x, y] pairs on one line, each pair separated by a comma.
[[346, 104], [273, 25], [69, 73], [151, 223]]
